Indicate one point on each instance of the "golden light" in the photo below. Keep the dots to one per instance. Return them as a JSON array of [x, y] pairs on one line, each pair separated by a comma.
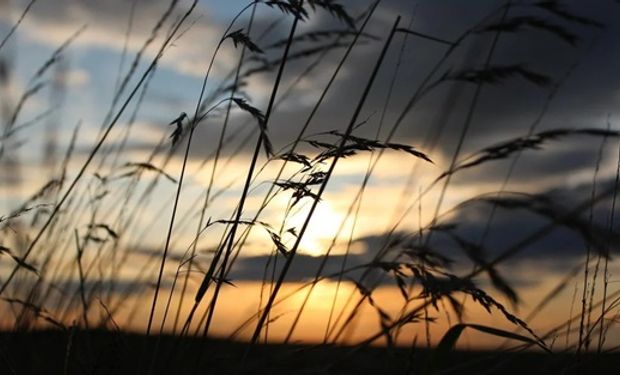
[[321, 230]]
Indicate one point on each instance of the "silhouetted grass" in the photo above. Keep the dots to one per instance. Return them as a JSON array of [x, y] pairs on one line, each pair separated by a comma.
[[69, 244]]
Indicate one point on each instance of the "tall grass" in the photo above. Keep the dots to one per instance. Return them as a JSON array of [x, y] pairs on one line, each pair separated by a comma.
[[71, 249]]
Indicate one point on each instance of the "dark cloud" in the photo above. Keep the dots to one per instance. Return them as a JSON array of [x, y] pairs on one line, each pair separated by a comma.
[[559, 249], [305, 267], [505, 110], [556, 162], [567, 241]]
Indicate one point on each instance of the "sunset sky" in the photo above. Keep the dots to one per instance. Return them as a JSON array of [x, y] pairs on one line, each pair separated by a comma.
[[104, 37]]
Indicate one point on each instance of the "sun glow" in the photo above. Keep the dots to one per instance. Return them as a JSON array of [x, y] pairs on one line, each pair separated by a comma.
[[322, 227]]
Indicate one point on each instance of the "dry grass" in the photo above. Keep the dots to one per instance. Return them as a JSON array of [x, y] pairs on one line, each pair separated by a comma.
[[68, 247]]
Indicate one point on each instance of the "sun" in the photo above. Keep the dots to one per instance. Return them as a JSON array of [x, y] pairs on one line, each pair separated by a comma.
[[322, 228]]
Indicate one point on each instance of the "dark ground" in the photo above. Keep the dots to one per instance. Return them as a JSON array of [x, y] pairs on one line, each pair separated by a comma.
[[100, 352]]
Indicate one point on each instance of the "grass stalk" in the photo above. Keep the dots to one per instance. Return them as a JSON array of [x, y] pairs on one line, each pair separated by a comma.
[[94, 151], [347, 133]]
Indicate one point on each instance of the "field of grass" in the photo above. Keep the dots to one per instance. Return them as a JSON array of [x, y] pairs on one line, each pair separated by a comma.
[[336, 187], [105, 352]]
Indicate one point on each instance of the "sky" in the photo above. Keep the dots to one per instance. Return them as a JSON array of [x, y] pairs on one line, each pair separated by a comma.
[[99, 40]]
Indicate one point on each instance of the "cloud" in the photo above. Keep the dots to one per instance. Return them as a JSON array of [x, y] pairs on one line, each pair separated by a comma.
[[77, 78], [557, 249], [107, 24], [504, 111]]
